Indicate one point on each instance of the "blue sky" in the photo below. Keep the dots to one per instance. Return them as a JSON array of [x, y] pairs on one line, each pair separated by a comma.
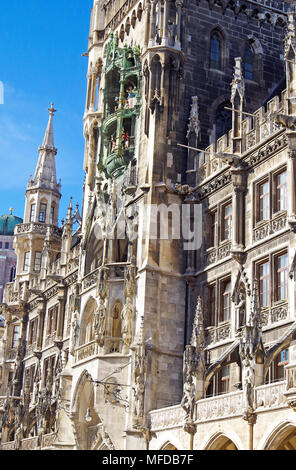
[[40, 61]]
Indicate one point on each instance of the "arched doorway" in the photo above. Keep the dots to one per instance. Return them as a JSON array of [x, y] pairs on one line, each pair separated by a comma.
[[168, 446], [282, 438], [221, 442], [85, 418]]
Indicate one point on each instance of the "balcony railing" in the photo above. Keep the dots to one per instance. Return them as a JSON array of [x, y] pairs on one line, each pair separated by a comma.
[[270, 396], [31, 443], [166, 418], [222, 406], [215, 334], [216, 254], [112, 345], [229, 405], [39, 228], [264, 229]]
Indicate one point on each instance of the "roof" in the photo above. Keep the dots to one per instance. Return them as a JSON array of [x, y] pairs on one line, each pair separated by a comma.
[[8, 223]]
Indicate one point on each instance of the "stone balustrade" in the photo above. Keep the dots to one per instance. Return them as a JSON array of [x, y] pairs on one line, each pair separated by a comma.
[[221, 406], [167, 418], [225, 406], [39, 228], [270, 396], [262, 126], [32, 443]]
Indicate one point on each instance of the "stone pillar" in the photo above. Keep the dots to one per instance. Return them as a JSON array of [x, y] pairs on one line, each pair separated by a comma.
[[147, 23], [179, 5], [93, 91], [238, 179], [88, 91], [152, 23], [41, 315], [61, 299], [291, 170], [237, 101], [164, 41]]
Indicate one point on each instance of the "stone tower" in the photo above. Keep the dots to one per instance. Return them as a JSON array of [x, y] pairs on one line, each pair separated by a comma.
[[150, 64], [41, 213]]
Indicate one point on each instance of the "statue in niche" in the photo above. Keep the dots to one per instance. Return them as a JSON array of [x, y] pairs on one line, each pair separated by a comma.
[[75, 329], [241, 309], [172, 31], [131, 93], [127, 318], [249, 384], [188, 400], [139, 391], [100, 321], [125, 139]]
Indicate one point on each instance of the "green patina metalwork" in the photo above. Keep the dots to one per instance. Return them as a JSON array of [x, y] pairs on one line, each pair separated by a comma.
[[122, 103]]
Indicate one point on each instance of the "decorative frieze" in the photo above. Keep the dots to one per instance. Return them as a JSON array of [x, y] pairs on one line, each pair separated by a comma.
[[223, 406], [71, 279], [29, 444], [41, 229], [218, 333], [85, 351], [270, 227], [91, 279], [51, 292], [279, 313], [218, 254], [270, 396], [167, 418]]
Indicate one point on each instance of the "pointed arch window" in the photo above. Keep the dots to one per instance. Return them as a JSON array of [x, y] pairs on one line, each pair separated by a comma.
[[215, 51], [249, 63], [223, 120]]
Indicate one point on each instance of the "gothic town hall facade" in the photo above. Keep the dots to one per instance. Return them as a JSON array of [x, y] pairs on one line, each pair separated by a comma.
[[163, 316]]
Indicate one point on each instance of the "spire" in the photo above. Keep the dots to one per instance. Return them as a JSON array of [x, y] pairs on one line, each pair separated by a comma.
[[45, 173], [48, 141]]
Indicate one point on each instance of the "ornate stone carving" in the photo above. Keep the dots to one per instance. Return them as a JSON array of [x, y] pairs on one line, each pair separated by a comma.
[[128, 311], [194, 123], [250, 342], [194, 369], [279, 313], [140, 372]]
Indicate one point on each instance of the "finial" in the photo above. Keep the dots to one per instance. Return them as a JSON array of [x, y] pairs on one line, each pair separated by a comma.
[[11, 210], [52, 110]]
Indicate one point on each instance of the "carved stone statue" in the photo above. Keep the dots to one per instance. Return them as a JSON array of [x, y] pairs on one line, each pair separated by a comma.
[[127, 322], [139, 391], [241, 309], [74, 331], [100, 321], [188, 400]]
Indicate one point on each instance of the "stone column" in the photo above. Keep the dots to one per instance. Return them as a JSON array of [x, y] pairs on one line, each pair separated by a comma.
[[238, 178], [152, 23], [179, 4], [41, 315], [93, 91], [147, 23], [291, 170], [61, 299], [88, 91], [165, 24]]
